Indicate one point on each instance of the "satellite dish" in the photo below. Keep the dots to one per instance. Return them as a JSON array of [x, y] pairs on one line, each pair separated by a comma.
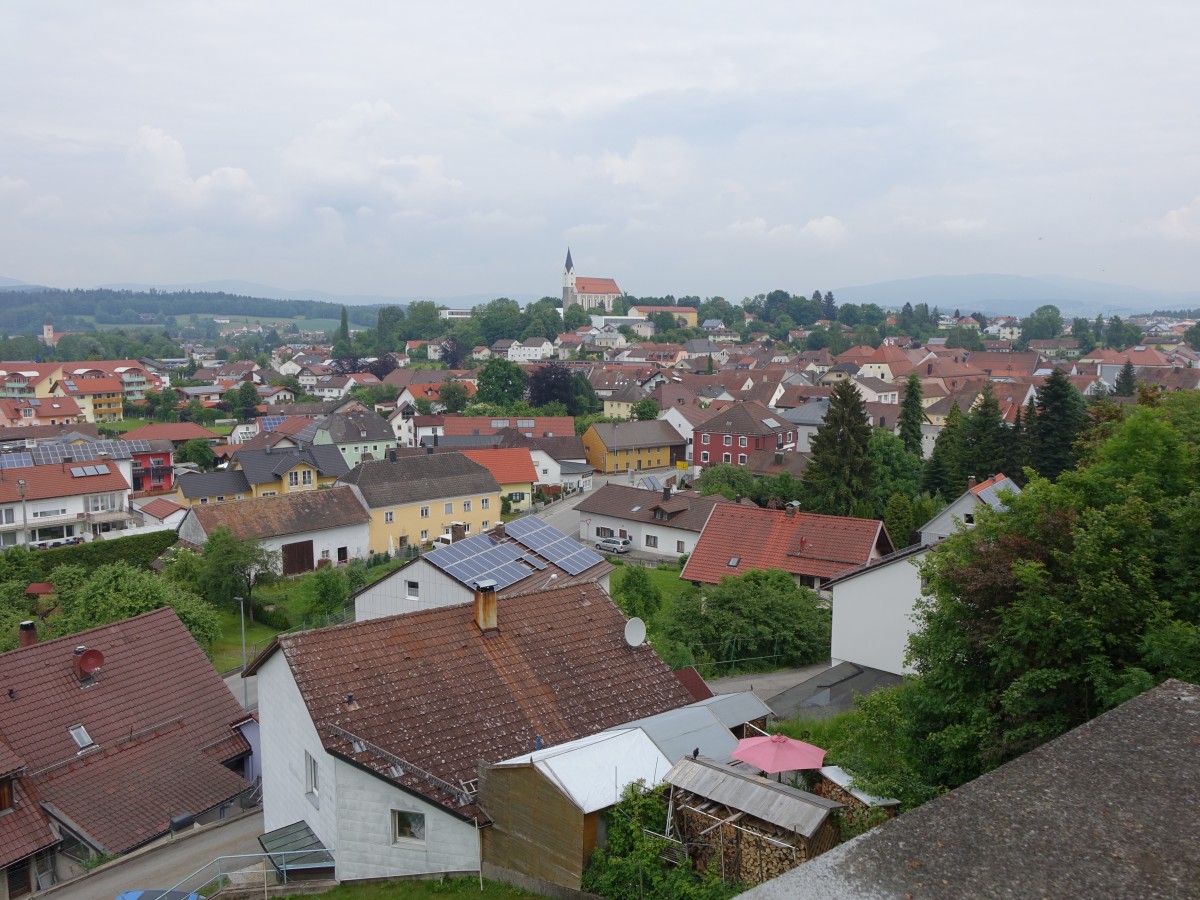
[[635, 632]]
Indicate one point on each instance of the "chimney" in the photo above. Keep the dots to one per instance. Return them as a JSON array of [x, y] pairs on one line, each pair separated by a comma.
[[429, 449], [498, 531], [485, 606], [790, 509], [970, 482], [29, 635], [392, 454], [779, 457], [458, 531], [666, 492]]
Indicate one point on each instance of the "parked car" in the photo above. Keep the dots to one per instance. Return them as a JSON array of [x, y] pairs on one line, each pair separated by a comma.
[[614, 545]]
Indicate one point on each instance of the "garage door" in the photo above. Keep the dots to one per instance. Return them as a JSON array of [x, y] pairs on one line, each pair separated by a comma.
[[297, 557]]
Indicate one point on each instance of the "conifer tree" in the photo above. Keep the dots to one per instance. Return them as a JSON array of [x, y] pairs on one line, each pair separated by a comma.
[[984, 446], [1126, 381], [898, 519], [943, 473], [912, 415], [839, 474], [1061, 416]]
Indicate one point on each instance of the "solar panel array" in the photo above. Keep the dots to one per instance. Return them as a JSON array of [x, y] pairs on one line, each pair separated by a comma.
[[15, 460], [550, 543], [50, 454], [269, 423], [481, 557], [84, 471]]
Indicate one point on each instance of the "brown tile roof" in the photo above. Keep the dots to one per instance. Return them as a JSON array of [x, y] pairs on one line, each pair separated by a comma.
[[749, 418], [655, 433], [160, 508], [153, 712], [292, 513], [25, 829], [543, 426], [433, 690], [686, 510], [48, 432], [176, 432], [799, 543]]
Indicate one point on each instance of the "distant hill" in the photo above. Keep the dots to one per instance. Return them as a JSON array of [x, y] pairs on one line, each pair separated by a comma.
[[1017, 294], [13, 284]]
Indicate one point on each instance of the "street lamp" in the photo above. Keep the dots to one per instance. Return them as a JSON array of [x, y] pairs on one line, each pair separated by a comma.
[[245, 684], [24, 517]]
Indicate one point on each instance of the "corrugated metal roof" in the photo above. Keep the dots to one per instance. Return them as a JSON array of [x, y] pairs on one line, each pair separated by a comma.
[[736, 709], [787, 807], [679, 732]]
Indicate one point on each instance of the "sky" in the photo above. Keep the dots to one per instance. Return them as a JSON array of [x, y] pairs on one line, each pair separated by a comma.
[[458, 148]]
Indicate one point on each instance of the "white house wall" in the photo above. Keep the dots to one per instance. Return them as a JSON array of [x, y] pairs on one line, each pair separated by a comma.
[[950, 519], [389, 596], [548, 468], [638, 532], [365, 849], [872, 616]]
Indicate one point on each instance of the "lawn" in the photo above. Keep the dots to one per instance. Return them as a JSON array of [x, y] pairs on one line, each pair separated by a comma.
[[123, 426], [227, 650], [409, 890]]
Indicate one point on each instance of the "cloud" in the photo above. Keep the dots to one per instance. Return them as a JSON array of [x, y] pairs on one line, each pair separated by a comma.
[[829, 229], [159, 164], [1182, 223]]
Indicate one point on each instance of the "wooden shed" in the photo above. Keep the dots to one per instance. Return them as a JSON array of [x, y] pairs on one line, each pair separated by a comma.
[[547, 807], [835, 784], [748, 828]]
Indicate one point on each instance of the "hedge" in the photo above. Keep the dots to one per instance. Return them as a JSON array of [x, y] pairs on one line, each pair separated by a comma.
[[139, 551]]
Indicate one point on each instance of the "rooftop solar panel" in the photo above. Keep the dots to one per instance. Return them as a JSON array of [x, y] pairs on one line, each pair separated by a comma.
[[481, 556], [552, 544], [15, 460]]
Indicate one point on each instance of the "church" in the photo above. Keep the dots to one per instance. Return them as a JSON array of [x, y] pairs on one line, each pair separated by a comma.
[[590, 293]]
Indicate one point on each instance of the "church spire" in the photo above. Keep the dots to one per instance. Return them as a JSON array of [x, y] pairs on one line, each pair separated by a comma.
[[570, 266]]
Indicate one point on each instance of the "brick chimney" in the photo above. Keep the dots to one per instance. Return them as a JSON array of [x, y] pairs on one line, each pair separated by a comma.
[[29, 635], [485, 606], [971, 482], [458, 531], [666, 492], [498, 531]]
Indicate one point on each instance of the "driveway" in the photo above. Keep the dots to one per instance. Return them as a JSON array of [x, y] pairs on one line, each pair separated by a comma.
[[166, 863], [766, 685]]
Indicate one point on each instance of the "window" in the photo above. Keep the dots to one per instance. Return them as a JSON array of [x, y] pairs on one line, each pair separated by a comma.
[[204, 501], [267, 494], [516, 496], [6, 793], [448, 508], [729, 440], [485, 503], [424, 512], [679, 547], [312, 782], [968, 518], [7, 516], [83, 740], [47, 513], [484, 524], [412, 590], [466, 506], [425, 535], [742, 441], [220, 498], [307, 477], [703, 456], [652, 540], [389, 517], [741, 459], [704, 438], [725, 457], [293, 479], [407, 827], [602, 532]]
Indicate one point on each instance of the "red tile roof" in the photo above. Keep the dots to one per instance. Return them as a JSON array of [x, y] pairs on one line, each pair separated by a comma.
[[543, 426], [153, 712], [160, 508], [25, 829], [45, 482], [596, 286], [431, 689], [799, 543], [508, 466]]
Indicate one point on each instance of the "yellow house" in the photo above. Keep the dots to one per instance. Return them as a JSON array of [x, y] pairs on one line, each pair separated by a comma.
[[264, 473], [29, 379], [414, 499], [618, 447], [619, 405], [100, 399]]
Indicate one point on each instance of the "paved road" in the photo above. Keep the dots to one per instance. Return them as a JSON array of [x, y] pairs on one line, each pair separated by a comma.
[[168, 863], [766, 685]]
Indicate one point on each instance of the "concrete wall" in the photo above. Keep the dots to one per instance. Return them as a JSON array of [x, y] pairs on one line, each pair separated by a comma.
[[389, 596], [872, 615]]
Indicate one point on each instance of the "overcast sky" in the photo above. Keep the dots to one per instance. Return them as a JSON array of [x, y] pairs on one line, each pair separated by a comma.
[[444, 149]]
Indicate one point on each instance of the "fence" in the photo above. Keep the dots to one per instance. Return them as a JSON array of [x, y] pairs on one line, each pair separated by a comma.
[[250, 870]]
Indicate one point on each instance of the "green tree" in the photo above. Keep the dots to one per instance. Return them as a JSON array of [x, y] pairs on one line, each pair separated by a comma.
[[453, 396], [1126, 382], [551, 383], [898, 519], [726, 479], [343, 332], [839, 474], [500, 382], [331, 590], [584, 399], [501, 318], [1061, 416], [894, 470], [943, 472], [574, 317], [636, 593], [422, 321], [1043, 324], [233, 567], [646, 409], [197, 451], [117, 591], [984, 446], [912, 416]]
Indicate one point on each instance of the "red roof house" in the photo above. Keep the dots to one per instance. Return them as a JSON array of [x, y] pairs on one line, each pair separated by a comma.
[[737, 539]]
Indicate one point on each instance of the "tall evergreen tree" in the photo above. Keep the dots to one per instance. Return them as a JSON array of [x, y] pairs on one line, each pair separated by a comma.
[[1017, 451], [1061, 416], [912, 415], [943, 472], [343, 333], [839, 474], [898, 519], [1126, 380], [984, 446]]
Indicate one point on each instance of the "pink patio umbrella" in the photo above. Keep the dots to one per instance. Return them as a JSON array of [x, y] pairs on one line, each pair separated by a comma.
[[778, 753]]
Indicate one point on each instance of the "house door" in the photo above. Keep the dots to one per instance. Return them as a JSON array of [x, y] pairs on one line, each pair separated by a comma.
[[297, 557]]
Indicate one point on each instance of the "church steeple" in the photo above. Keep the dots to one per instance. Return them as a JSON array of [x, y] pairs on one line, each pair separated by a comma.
[[570, 266]]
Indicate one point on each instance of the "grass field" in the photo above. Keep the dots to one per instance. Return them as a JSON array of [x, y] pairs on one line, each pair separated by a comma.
[[411, 890]]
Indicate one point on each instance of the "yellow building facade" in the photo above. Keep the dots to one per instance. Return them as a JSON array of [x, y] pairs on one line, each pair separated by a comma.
[[395, 527]]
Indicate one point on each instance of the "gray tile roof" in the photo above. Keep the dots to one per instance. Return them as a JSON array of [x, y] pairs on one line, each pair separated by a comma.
[[346, 428], [213, 484], [687, 510], [654, 433], [263, 466], [412, 479]]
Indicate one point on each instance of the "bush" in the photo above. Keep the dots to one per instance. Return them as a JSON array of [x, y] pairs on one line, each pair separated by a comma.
[[138, 551], [276, 618]]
